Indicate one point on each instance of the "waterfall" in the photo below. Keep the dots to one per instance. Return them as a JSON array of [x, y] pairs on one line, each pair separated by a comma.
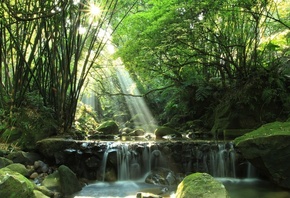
[[131, 165], [133, 161], [251, 171], [222, 161]]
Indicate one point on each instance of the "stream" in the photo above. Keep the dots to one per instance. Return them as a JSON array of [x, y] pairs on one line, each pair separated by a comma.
[[133, 160], [237, 188]]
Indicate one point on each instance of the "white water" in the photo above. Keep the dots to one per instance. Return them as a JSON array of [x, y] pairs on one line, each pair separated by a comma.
[[223, 162], [130, 165], [132, 170]]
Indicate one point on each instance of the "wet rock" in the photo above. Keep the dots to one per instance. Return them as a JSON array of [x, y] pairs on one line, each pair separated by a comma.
[[268, 148], [40, 177], [161, 176], [147, 195], [34, 175], [201, 185], [41, 167], [110, 175], [92, 162]]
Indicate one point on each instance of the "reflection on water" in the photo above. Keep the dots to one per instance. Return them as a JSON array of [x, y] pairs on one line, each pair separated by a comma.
[[121, 189], [237, 188], [253, 188]]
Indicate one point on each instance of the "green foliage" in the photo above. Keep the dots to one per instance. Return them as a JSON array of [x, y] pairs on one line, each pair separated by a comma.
[[203, 92], [28, 124], [86, 120]]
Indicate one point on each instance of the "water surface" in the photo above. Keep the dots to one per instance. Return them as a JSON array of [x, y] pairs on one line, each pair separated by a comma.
[[237, 188]]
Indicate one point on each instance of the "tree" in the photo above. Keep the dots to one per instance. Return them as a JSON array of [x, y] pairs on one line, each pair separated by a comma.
[[202, 47], [50, 47]]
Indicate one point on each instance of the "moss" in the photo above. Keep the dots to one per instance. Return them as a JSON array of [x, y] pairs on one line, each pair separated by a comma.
[[13, 184], [68, 181], [19, 168], [52, 182], [201, 185], [270, 129], [109, 127]]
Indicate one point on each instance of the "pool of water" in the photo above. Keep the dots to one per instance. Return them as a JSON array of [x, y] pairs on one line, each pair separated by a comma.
[[253, 188], [237, 188], [122, 189]]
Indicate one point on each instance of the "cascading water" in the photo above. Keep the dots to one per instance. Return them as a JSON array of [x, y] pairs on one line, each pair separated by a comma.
[[251, 171], [222, 161], [133, 162], [131, 165]]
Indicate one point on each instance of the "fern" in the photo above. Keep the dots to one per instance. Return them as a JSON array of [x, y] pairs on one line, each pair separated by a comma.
[[268, 95], [203, 92]]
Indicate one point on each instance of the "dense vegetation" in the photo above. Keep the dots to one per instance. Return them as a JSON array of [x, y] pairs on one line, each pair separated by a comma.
[[213, 64], [225, 63]]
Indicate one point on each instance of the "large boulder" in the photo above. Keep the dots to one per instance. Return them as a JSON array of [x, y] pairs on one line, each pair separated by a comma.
[[68, 181], [62, 180], [19, 168], [109, 128], [163, 131], [52, 147], [52, 182], [26, 158], [13, 184], [201, 185], [268, 149]]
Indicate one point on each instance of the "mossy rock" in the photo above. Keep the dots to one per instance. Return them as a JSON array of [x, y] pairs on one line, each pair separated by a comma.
[[268, 148], [19, 168], [137, 132], [109, 127], [38, 194], [15, 185], [62, 180], [163, 131], [49, 147], [26, 158], [44, 191], [201, 185], [270, 129], [68, 180], [52, 182], [5, 162]]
